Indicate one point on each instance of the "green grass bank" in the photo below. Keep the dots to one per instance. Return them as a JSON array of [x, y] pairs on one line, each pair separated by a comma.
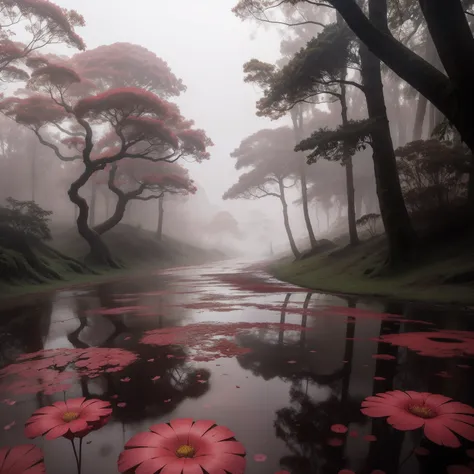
[[443, 273]]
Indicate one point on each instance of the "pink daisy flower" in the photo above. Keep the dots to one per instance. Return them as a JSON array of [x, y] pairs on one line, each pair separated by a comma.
[[74, 418], [23, 459], [440, 417], [184, 445]]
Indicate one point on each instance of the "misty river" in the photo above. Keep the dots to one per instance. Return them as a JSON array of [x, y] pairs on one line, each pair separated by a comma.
[[285, 370]]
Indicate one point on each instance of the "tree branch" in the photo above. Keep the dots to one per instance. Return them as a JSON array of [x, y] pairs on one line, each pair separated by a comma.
[[55, 148]]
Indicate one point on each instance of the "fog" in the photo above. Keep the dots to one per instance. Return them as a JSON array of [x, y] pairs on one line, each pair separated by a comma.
[[205, 45]]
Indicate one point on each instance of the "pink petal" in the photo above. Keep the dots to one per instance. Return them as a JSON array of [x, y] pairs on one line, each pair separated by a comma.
[[181, 427], [379, 378], [455, 407], [381, 410], [74, 404], [58, 431], [130, 458], [405, 421], [21, 458], [173, 467], [192, 467], [218, 433], [436, 431], [223, 463], [77, 425], [335, 442], [200, 427], [164, 430], [40, 426], [353, 434], [9, 426], [121, 405], [146, 439], [292, 362], [460, 428], [370, 438], [260, 457], [158, 377], [435, 400]]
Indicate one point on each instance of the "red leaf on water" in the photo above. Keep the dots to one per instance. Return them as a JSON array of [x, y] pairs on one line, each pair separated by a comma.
[[457, 469], [383, 357], [335, 442], [260, 457], [420, 451], [337, 428], [121, 405], [157, 377]]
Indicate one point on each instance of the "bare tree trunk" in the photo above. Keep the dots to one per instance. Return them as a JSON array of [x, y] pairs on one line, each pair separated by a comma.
[[115, 218], [419, 117], [93, 204], [286, 221], [351, 213], [297, 118], [398, 228], [161, 212], [99, 252], [33, 153]]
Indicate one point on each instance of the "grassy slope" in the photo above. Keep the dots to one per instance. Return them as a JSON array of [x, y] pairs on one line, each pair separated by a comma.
[[344, 271], [137, 250]]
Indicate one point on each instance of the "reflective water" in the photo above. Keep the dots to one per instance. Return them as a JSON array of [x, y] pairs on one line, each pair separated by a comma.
[[276, 365]]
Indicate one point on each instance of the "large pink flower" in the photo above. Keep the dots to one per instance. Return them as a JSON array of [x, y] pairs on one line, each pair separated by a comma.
[[74, 418], [440, 416], [184, 446], [23, 459]]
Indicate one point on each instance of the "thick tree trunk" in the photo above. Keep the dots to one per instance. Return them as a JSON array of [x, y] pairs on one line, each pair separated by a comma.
[[93, 205], [161, 213], [400, 234], [99, 253], [297, 118], [115, 218], [286, 221], [419, 117], [351, 213], [447, 24]]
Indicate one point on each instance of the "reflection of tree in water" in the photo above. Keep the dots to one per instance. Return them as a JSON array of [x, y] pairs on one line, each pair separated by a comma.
[[306, 425], [145, 398]]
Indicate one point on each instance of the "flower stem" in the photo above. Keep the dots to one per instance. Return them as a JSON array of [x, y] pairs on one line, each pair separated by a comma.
[[80, 456], [78, 464]]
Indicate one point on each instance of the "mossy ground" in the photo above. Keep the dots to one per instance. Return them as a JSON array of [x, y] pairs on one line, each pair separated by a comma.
[[347, 271]]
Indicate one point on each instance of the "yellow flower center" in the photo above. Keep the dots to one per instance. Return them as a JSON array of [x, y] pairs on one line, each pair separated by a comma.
[[422, 411], [185, 451], [70, 416]]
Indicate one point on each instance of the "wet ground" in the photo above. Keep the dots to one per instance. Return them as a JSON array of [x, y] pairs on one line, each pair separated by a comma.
[[285, 370]]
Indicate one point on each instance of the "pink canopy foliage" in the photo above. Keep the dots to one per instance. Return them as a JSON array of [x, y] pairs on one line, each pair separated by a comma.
[[440, 417], [149, 129], [34, 111], [184, 445], [54, 74], [58, 22], [13, 73], [128, 65], [22, 459], [128, 100]]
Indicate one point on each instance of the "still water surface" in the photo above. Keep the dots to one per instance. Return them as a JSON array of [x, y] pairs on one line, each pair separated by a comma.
[[276, 365]]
